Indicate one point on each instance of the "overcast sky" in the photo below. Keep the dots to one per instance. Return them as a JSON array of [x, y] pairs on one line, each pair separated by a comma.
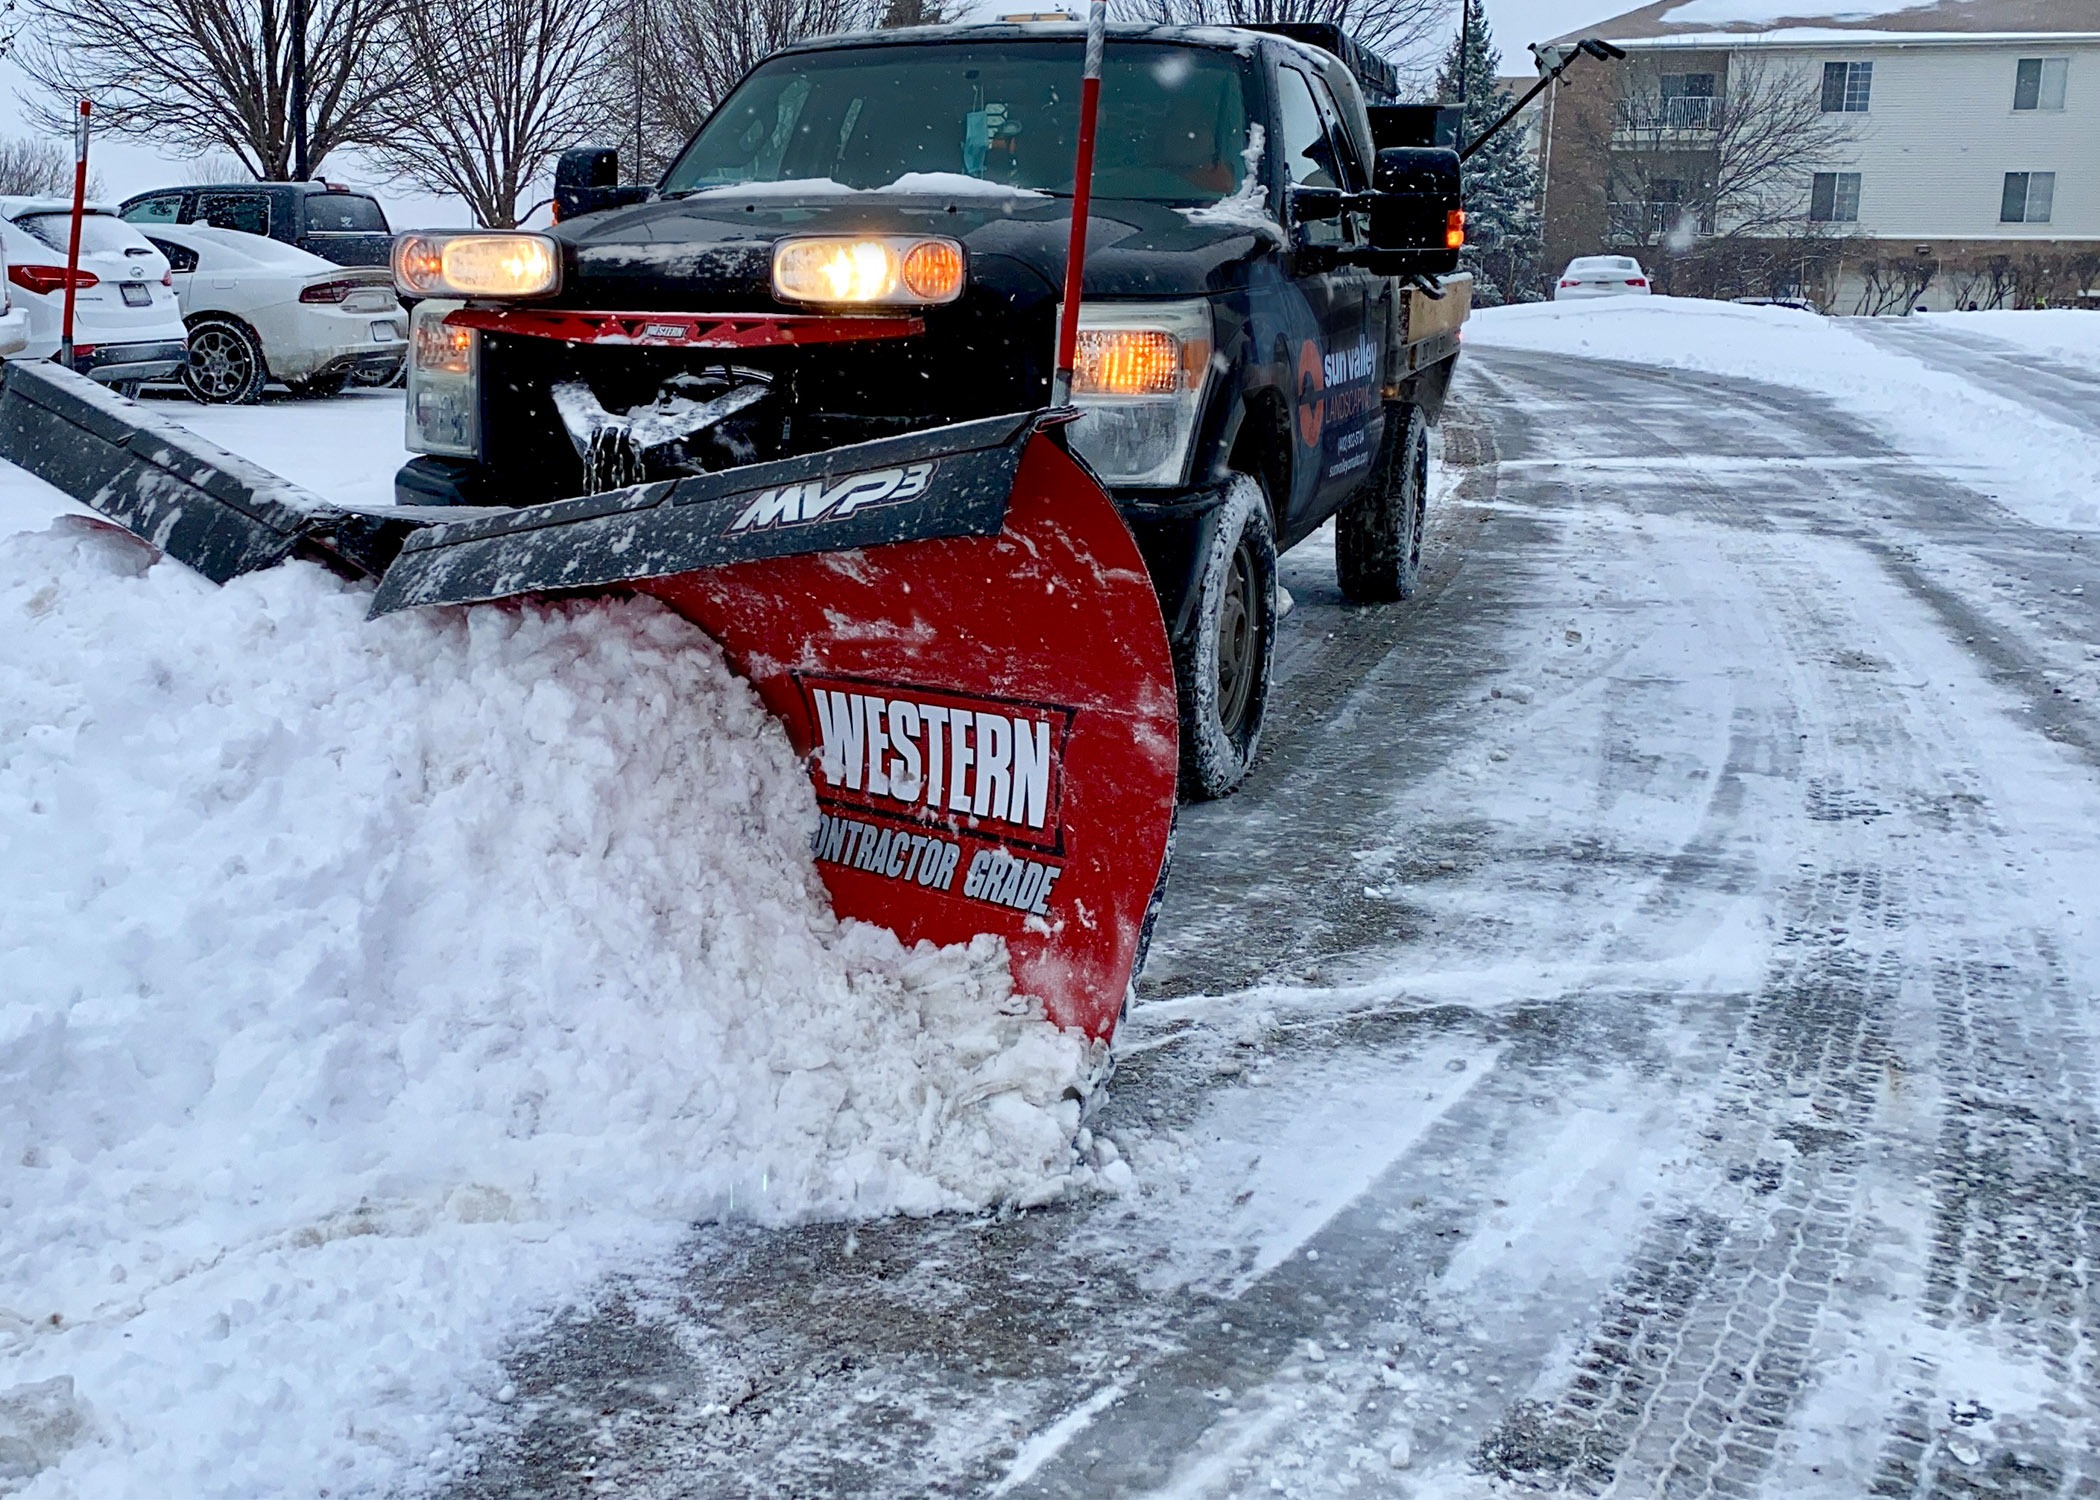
[[125, 167]]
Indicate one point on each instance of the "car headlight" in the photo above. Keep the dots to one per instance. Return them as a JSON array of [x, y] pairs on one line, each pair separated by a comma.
[[491, 264], [1138, 375], [890, 270]]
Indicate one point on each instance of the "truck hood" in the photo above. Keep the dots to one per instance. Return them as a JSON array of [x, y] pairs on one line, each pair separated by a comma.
[[712, 251]]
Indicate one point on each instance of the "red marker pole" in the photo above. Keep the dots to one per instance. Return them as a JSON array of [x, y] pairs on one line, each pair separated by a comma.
[[1082, 197], [80, 139]]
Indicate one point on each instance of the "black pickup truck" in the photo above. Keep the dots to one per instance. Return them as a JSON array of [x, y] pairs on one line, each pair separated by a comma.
[[1252, 362]]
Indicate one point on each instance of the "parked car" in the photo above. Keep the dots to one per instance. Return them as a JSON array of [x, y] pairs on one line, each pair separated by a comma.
[[258, 310], [14, 321], [127, 326], [1601, 276], [336, 223]]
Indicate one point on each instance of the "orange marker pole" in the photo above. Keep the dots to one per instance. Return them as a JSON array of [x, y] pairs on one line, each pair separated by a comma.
[[80, 143]]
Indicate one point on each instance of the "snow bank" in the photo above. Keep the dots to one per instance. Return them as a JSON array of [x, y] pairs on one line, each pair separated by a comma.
[[371, 988], [2046, 471], [2066, 334]]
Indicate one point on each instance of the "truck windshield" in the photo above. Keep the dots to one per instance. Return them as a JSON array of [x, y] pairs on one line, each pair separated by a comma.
[[942, 118]]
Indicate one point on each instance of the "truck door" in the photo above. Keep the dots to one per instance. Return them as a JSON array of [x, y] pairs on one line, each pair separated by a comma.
[[1334, 368]]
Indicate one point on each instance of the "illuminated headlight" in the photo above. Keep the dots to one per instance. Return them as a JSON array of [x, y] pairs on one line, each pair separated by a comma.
[[444, 383], [890, 270], [1138, 374], [476, 265]]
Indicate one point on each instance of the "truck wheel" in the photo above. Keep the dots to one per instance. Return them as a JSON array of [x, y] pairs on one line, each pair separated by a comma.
[[1222, 661], [1378, 535], [226, 366]]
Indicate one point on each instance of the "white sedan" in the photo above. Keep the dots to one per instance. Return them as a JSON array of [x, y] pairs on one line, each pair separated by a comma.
[[1601, 276], [260, 310], [126, 326]]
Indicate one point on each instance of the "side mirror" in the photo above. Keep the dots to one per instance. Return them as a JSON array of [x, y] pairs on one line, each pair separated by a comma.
[[1418, 221], [1311, 205], [587, 180]]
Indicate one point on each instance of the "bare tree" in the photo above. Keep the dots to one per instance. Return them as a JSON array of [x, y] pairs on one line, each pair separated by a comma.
[[1712, 169], [1398, 29], [200, 75], [37, 167], [490, 91], [1893, 284], [693, 52]]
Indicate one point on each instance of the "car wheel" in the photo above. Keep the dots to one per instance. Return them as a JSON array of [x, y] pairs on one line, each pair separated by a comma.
[[226, 366], [320, 386], [1223, 659], [1378, 535]]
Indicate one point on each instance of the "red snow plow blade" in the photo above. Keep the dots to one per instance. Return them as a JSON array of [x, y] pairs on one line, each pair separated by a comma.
[[959, 635]]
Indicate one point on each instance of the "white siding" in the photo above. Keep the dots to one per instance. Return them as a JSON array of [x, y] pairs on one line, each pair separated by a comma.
[[1933, 150]]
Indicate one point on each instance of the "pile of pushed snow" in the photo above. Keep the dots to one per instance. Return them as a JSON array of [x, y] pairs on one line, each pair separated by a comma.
[[371, 987], [2047, 471], [2063, 333]]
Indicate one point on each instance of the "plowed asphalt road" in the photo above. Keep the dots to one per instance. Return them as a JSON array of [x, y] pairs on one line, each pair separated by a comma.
[[1631, 1036]]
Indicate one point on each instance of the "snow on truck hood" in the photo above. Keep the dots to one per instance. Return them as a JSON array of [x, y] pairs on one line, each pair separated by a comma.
[[374, 987]]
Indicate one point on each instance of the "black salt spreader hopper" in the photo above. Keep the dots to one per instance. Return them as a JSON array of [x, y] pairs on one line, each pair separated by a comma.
[[954, 627]]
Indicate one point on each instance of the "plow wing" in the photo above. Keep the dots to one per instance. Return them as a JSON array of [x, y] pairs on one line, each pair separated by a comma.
[[954, 627]]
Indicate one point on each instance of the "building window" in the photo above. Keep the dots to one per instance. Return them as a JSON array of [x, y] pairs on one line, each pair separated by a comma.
[[2039, 82], [1846, 87], [2028, 198], [1834, 198]]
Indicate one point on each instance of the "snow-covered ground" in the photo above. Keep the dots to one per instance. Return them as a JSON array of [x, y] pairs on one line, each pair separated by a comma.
[[372, 988], [2046, 470], [1657, 961], [346, 447]]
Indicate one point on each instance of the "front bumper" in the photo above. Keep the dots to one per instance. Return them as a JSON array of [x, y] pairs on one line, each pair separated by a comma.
[[110, 363]]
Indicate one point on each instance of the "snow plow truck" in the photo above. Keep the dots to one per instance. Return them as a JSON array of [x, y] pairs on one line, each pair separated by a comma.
[[971, 431]]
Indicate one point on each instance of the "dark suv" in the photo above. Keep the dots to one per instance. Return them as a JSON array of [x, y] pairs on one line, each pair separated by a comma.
[[321, 218]]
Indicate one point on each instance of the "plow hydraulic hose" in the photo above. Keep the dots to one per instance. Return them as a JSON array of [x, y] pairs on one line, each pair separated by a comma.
[[1082, 196]]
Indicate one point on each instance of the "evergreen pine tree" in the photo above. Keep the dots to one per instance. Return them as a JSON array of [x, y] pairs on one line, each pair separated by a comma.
[[1501, 181]]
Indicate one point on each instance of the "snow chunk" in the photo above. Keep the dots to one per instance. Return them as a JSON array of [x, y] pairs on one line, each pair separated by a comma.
[[1248, 207], [375, 987]]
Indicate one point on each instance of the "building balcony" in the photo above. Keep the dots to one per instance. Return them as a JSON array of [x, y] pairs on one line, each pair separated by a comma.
[[1664, 124]]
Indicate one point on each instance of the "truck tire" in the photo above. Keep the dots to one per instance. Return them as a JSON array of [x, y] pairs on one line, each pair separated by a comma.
[[1223, 659], [1378, 535], [226, 365]]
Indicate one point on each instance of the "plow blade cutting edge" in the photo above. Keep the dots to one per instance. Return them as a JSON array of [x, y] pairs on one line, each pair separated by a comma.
[[958, 633]]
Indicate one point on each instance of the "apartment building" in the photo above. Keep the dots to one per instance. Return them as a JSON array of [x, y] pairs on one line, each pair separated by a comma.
[[1873, 158]]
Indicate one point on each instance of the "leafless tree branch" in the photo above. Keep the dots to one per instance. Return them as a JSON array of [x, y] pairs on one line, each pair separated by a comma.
[[490, 91], [204, 75], [1399, 29]]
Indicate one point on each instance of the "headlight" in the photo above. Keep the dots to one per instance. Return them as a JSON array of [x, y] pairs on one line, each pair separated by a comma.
[[444, 383], [886, 269], [476, 265], [1138, 374]]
